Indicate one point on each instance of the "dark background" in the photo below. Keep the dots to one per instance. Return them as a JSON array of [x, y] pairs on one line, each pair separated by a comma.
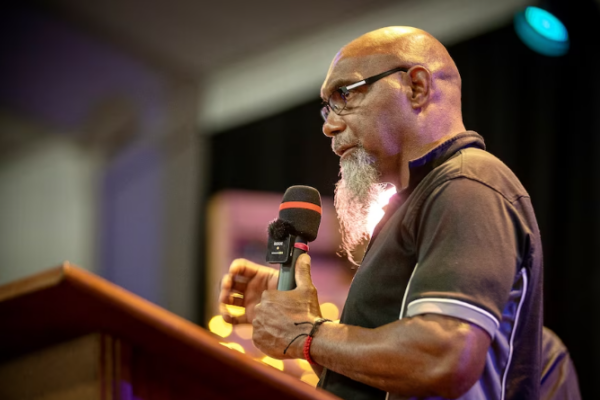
[[539, 115]]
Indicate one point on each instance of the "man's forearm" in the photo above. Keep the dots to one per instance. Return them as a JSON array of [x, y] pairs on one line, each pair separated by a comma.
[[423, 356]]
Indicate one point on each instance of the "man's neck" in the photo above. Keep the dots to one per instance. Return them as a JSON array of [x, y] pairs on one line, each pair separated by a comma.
[[419, 148]]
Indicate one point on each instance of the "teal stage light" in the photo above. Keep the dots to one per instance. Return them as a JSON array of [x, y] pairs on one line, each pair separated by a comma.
[[542, 32]]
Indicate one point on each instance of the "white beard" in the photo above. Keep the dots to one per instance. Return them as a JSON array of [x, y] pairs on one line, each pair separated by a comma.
[[355, 192]]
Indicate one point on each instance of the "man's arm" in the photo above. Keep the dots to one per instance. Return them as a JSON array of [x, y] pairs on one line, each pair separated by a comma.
[[420, 356], [427, 355]]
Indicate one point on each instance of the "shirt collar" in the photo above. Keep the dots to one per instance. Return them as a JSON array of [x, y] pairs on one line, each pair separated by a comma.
[[445, 150], [420, 167]]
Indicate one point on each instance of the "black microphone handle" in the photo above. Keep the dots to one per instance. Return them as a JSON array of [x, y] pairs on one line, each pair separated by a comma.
[[287, 271]]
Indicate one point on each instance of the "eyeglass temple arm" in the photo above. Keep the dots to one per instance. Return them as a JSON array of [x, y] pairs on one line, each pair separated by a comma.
[[371, 79]]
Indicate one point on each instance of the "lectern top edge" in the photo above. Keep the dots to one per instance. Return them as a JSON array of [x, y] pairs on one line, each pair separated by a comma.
[[33, 283]]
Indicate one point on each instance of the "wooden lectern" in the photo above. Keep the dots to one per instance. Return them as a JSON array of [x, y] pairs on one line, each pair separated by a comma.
[[68, 334]]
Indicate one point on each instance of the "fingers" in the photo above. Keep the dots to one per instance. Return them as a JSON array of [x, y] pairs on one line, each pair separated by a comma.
[[239, 284], [303, 277], [226, 283], [232, 290], [241, 271], [243, 267], [233, 287], [242, 286]]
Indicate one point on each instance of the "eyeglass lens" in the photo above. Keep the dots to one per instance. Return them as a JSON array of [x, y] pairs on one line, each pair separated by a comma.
[[325, 112], [337, 102]]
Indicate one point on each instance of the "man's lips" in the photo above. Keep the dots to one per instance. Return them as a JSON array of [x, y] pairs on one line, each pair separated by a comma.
[[341, 150]]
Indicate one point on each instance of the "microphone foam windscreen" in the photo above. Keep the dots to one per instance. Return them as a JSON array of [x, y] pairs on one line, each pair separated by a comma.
[[301, 207]]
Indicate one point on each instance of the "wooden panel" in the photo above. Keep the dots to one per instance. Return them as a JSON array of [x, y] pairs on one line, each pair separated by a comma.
[[67, 302], [67, 371], [160, 379]]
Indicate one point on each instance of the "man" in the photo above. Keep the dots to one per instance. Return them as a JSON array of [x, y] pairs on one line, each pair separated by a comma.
[[447, 302]]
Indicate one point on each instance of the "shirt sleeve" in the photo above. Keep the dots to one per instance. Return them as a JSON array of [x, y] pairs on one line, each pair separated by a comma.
[[468, 239]]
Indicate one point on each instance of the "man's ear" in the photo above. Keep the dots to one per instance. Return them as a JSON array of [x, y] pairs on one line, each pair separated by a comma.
[[420, 80]]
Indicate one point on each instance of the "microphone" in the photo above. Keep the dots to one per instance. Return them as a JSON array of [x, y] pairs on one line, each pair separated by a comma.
[[298, 224]]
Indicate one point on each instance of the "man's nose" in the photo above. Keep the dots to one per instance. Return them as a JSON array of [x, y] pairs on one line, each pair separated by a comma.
[[333, 125]]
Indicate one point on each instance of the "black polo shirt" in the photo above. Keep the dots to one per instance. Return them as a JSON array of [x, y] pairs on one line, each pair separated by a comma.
[[462, 240]]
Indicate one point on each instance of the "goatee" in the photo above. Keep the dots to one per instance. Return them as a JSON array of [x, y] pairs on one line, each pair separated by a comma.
[[355, 193]]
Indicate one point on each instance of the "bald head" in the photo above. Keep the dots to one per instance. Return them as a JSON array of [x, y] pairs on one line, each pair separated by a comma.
[[407, 47]]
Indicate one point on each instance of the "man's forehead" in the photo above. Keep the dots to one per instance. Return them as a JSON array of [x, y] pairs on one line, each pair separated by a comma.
[[342, 68]]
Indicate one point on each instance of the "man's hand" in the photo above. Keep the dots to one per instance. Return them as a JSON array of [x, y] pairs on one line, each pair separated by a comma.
[[243, 286], [277, 312]]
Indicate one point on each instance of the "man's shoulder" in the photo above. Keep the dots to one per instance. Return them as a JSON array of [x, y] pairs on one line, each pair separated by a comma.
[[483, 167]]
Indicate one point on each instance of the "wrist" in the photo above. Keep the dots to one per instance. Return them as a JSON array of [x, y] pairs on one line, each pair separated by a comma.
[[296, 348], [307, 348]]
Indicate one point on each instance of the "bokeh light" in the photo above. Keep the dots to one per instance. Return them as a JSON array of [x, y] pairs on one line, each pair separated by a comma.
[[278, 364], [310, 377], [546, 24], [330, 311], [235, 311], [542, 32], [219, 327], [234, 346], [304, 365]]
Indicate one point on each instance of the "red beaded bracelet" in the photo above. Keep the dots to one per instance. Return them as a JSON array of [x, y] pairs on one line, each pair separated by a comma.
[[309, 339], [307, 351]]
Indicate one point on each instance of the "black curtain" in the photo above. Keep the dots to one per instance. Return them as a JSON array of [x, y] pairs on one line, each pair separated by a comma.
[[539, 115]]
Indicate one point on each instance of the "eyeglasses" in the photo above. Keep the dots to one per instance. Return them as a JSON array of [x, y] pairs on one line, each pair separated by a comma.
[[337, 101]]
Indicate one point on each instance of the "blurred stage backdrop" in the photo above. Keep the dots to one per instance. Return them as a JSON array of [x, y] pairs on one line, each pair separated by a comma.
[[151, 142]]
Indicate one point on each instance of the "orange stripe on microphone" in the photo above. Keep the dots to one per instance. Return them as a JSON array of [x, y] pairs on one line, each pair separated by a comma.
[[300, 204]]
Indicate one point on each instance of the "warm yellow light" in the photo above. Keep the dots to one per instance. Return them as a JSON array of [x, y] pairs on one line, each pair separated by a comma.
[[273, 362], [310, 378], [219, 327], [235, 311], [243, 331], [376, 210], [330, 311], [304, 365], [234, 346]]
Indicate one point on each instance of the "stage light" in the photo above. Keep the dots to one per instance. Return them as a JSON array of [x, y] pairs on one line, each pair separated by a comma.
[[330, 311], [219, 327], [542, 32]]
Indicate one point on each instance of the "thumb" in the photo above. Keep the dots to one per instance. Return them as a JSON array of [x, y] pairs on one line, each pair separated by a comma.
[[303, 278]]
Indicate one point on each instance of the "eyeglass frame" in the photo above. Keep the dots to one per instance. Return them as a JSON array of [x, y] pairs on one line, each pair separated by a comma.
[[344, 90]]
